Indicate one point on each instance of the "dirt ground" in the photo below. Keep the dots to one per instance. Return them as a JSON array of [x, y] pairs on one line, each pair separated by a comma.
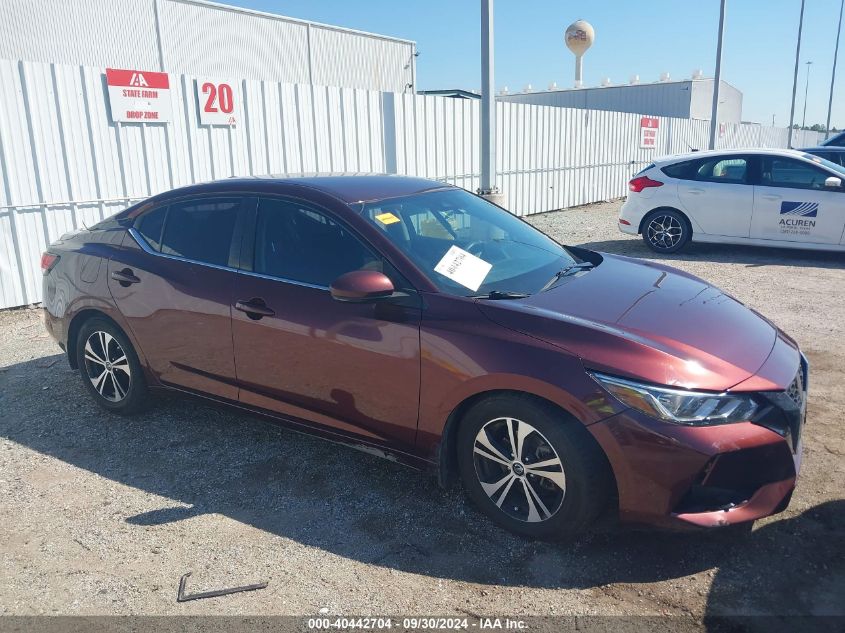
[[102, 515]]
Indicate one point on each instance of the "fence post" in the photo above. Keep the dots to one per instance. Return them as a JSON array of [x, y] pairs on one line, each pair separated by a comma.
[[388, 109]]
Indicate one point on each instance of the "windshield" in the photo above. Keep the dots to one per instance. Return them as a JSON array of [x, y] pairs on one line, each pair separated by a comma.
[[466, 245], [839, 169]]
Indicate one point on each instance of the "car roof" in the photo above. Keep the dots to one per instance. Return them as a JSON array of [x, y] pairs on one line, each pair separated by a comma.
[[677, 158], [346, 187]]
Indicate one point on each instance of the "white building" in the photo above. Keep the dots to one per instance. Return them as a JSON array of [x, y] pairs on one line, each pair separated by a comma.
[[204, 39], [687, 99]]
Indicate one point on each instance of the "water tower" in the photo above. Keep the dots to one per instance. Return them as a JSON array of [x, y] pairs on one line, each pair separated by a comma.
[[579, 37]]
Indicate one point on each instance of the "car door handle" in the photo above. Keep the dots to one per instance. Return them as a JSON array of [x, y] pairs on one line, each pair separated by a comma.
[[126, 277], [254, 308], [695, 191], [770, 196]]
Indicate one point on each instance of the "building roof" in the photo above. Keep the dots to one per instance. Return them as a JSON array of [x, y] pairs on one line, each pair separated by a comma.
[[457, 93], [643, 84]]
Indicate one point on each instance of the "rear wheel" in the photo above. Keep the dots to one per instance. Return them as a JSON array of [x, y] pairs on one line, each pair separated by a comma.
[[666, 231], [110, 368], [531, 468]]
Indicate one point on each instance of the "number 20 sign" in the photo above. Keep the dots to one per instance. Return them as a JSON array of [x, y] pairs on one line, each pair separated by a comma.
[[218, 102]]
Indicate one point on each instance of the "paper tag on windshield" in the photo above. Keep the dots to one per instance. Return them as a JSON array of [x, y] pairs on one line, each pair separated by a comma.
[[463, 268], [387, 218]]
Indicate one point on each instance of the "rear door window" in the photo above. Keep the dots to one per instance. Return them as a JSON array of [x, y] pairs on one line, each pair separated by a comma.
[[725, 169], [150, 226], [201, 230]]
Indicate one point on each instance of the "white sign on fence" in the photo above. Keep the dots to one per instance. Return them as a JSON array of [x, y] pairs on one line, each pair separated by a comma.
[[218, 101], [648, 131], [139, 96]]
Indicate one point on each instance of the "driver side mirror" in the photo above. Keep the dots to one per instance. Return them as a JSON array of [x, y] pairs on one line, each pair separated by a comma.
[[832, 182], [361, 286]]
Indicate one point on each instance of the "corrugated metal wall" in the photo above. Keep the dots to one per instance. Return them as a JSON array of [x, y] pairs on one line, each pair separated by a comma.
[[121, 34], [64, 163], [202, 38]]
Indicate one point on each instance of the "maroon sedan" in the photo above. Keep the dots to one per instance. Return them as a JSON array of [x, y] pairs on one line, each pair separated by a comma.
[[415, 320]]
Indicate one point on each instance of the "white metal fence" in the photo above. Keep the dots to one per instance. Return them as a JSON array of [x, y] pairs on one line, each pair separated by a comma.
[[65, 164]]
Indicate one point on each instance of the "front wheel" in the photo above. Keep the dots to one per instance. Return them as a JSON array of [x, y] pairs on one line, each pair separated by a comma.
[[531, 468], [666, 231]]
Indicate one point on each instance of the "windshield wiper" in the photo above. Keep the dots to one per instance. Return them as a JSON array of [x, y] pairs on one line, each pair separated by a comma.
[[563, 272], [500, 294]]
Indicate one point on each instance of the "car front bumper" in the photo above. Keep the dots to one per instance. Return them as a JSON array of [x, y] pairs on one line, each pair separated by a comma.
[[709, 476], [677, 476]]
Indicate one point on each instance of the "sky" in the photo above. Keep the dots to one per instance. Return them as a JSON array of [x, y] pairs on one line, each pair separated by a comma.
[[643, 38]]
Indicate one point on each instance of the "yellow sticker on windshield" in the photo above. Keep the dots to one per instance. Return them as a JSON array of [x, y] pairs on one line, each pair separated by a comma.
[[387, 218]]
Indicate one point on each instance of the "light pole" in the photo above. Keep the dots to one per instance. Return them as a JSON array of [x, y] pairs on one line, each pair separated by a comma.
[[833, 73], [806, 86], [488, 187], [717, 80], [795, 75]]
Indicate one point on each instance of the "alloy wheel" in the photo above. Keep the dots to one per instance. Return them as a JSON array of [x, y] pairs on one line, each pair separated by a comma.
[[664, 231], [519, 470], [107, 366]]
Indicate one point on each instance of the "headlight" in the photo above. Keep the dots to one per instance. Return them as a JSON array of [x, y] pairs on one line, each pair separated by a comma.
[[695, 408]]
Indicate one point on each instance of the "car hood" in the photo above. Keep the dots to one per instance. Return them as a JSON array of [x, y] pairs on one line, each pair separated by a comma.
[[645, 321]]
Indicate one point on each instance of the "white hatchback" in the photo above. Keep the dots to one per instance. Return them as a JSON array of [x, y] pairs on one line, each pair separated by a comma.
[[764, 197]]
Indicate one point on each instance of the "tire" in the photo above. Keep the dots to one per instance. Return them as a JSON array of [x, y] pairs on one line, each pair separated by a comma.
[[565, 500], [110, 368], [666, 231]]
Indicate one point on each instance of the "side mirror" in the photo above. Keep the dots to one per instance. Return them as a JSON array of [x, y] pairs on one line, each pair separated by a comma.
[[360, 286], [832, 182]]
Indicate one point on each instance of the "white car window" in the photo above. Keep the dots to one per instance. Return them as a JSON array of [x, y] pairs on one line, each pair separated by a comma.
[[727, 170], [787, 172]]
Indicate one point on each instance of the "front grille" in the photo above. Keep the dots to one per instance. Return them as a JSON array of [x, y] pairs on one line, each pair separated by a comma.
[[788, 408], [796, 391]]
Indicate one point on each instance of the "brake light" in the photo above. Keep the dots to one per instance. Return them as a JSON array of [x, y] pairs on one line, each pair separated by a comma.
[[643, 182], [48, 260]]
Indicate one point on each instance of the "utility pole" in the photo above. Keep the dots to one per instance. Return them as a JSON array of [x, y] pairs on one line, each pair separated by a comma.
[[795, 75], [717, 80], [833, 74], [806, 87], [488, 187]]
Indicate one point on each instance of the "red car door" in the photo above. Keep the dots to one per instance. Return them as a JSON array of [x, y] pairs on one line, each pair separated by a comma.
[[350, 368], [173, 283]]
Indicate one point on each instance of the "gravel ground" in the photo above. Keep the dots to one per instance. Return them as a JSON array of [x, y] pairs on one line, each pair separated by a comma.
[[102, 515]]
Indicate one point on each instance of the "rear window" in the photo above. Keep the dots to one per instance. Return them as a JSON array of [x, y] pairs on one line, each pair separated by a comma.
[[678, 170], [150, 226], [836, 141]]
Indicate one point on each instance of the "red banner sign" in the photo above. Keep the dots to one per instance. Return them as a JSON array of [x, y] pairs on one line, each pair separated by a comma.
[[139, 96], [648, 131]]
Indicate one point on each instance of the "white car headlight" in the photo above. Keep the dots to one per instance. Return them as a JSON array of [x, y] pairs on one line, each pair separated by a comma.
[[695, 408]]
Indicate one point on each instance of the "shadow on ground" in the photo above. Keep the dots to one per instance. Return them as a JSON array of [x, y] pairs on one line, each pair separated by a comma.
[[751, 256], [211, 460]]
